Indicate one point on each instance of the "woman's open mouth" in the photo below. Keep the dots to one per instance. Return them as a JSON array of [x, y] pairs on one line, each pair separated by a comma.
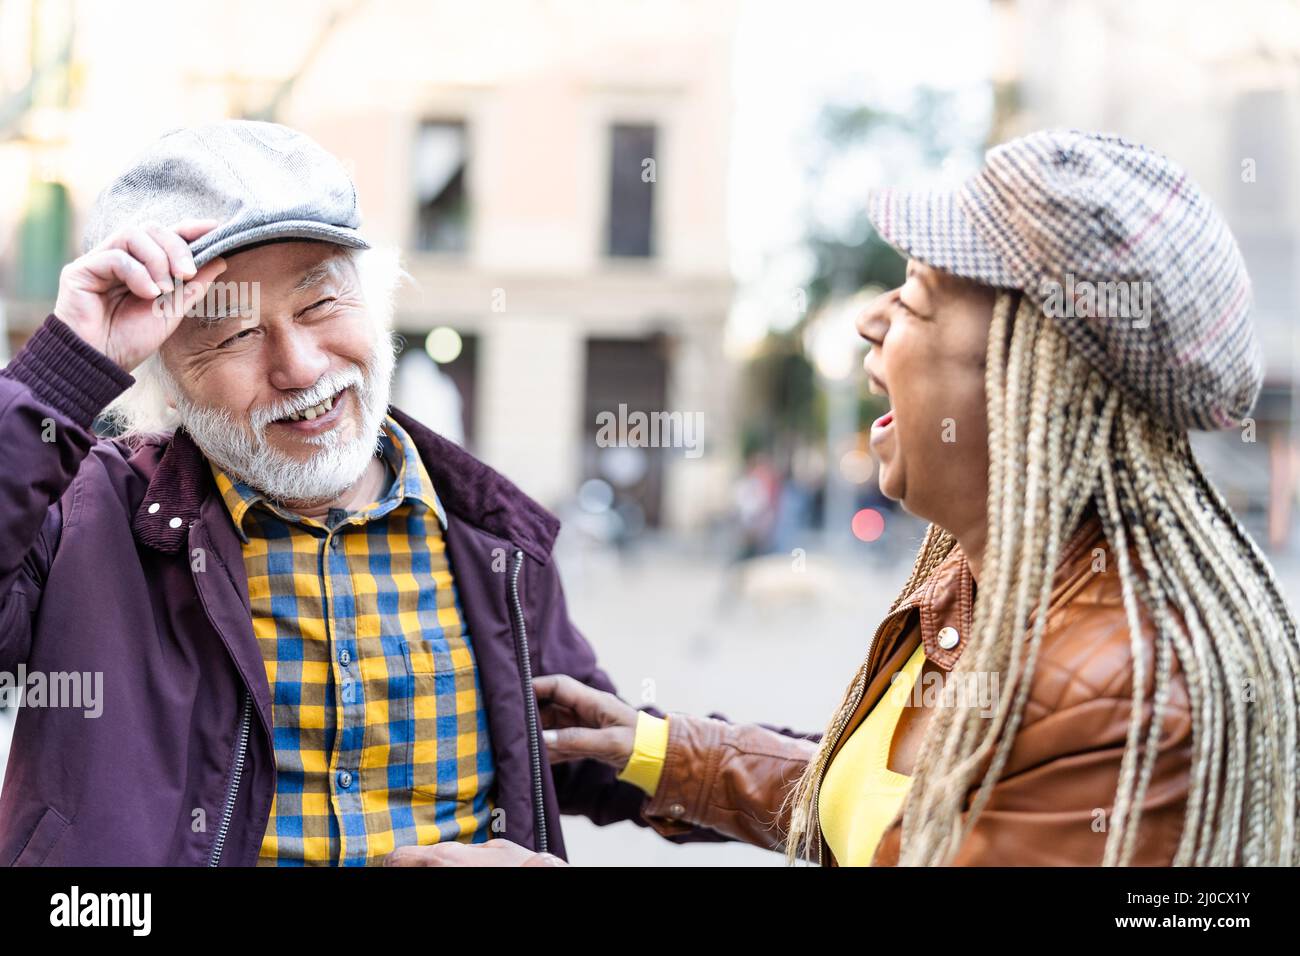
[[882, 427], [318, 418]]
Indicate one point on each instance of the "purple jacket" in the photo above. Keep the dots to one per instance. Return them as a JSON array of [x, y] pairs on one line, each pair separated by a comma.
[[126, 563]]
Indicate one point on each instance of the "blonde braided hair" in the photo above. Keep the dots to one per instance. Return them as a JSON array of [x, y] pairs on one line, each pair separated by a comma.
[[1061, 438]]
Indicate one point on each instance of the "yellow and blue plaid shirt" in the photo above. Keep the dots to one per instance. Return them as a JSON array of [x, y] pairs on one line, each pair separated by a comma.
[[380, 735]]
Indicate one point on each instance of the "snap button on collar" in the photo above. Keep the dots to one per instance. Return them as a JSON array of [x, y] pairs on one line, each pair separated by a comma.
[[948, 638]]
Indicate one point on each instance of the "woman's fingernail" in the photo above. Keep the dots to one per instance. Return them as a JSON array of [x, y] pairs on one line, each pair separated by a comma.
[[551, 737]]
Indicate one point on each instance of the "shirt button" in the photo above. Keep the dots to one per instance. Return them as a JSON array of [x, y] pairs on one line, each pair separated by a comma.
[[677, 811], [175, 522], [153, 508], [948, 638], [345, 657], [345, 779]]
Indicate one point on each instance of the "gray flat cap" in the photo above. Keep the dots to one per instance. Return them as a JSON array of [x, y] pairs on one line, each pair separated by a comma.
[[1082, 223], [261, 181]]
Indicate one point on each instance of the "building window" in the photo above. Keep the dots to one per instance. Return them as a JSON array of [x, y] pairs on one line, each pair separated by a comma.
[[631, 191], [442, 214]]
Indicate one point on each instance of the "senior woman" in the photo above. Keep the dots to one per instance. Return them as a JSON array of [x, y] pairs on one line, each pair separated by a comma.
[[1069, 313]]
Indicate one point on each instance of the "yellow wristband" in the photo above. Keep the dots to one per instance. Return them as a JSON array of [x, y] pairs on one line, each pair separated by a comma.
[[649, 748]]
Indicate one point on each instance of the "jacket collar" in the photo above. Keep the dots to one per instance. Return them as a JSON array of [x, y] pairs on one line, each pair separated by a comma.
[[181, 481], [946, 599], [176, 490]]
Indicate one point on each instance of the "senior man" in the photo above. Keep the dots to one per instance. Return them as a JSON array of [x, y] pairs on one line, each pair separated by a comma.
[[315, 619]]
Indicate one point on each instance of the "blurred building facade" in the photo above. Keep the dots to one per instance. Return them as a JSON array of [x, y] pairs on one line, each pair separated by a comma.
[[554, 173]]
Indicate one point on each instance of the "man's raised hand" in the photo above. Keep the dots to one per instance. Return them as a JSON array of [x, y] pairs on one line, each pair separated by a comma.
[[119, 297]]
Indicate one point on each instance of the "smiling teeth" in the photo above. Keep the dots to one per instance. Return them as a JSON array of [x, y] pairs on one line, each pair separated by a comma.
[[311, 413]]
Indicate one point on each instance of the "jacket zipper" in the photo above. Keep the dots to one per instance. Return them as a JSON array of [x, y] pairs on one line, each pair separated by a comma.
[[835, 738], [236, 772], [530, 704]]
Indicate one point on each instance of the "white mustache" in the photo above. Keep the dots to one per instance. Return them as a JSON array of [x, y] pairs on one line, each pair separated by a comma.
[[330, 384]]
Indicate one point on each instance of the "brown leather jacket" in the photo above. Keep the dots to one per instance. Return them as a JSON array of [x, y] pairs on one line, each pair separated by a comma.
[[1055, 794]]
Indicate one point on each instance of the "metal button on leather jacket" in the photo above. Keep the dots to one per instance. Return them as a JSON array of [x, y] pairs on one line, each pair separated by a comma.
[[1064, 765]]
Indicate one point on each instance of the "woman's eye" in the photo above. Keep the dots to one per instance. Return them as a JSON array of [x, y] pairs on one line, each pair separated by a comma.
[[318, 304]]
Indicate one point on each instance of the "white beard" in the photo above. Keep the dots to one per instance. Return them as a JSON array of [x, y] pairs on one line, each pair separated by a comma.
[[240, 448]]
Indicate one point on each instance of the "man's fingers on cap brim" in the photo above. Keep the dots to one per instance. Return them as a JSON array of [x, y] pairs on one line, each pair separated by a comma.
[[191, 229], [145, 249], [179, 261], [120, 265], [197, 287]]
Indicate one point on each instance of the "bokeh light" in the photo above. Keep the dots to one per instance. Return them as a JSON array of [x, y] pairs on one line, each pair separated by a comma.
[[443, 344], [868, 524], [856, 466], [595, 496]]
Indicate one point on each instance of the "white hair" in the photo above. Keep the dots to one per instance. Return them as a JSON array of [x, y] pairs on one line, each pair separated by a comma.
[[146, 408]]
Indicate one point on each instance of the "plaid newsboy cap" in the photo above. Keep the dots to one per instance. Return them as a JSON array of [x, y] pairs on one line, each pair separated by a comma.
[[1115, 243], [261, 181]]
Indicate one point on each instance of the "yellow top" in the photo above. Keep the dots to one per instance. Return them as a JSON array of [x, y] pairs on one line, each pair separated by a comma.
[[860, 795]]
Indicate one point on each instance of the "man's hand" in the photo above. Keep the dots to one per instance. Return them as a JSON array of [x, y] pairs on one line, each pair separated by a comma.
[[108, 295], [491, 853], [583, 722]]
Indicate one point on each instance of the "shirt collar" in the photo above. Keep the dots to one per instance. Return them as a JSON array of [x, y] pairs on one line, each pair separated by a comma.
[[410, 482], [413, 482]]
